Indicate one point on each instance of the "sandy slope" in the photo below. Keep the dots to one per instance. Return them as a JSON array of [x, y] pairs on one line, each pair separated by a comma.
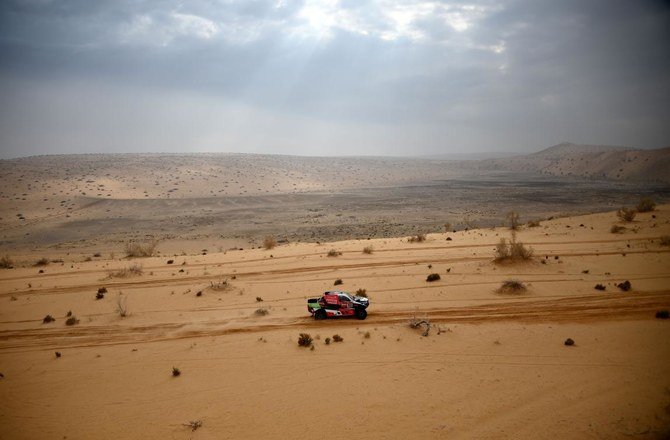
[[497, 369]]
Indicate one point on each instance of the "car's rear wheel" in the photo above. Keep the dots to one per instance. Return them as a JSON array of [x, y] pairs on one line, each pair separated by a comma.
[[320, 314], [361, 313]]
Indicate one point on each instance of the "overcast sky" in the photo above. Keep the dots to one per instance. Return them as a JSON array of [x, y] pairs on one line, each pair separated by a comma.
[[328, 77]]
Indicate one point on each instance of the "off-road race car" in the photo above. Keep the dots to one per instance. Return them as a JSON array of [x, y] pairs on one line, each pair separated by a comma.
[[334, 303]]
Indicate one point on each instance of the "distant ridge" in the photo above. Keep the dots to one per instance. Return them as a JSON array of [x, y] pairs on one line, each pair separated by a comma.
[[590, 161]]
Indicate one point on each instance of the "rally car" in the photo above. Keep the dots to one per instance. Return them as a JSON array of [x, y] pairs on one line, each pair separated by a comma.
[[334, 303]]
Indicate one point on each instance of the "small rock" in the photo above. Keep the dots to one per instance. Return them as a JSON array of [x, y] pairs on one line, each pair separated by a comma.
[[569, 342]]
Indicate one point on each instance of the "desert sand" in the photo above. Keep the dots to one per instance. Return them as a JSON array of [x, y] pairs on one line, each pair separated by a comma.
[[492, 365]]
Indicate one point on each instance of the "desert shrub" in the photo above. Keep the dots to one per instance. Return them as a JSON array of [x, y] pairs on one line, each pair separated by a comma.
[[367, 250], [130, 271], [617, 229], [662, 314], [417, 323], [176, 371], [433, 277], [447, 227], [261, 312], [600, 287], [418, 238], [269, 242], [42, 262], [259, 299], [99, 295], [511, 287], [304, 340], [366, 335], [569, 342], [362, 292], [625, 286], [338, 282], [72, 320], [512, 251], [646, 204], [665, 240], [334, 253], [626, 214], [194, 424], [337, 338], [6, 262], [47, 319], [327, 341], [513, 220], [170, 261], [102, 290], [122, 306], [533, 223], [136, 250]]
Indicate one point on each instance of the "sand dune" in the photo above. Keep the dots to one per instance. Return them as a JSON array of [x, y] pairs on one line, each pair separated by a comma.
[[492, 366]]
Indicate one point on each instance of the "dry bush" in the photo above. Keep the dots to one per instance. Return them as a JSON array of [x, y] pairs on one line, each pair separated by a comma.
[[511, 287], [327, 341], [269, 242], [416, 323], [418, 238], [138, 250], [625, 286], [72, 320], [646, 204], [122, 306], [261, 312], [569, 342], [665, 240], [626, 214], [447, 227], [600, 287], [194, 424], [513, 220], [617, 229], [433, 277], [367, 250], [337, 338], [47, 319], [130, 271], [42, 262], [512, 251], [338, 282], [304, 340], [176, 371], [220, 285], [334, 253], [6, 262], [533, 223], [362, 292]]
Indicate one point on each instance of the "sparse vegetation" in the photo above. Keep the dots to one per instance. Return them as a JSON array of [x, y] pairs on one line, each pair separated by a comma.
[[6, 262], [646, 204], [176, 371], [433, 277], [447, 227], [512, 251], [334, 253], [262, 312], [367, 250], [626, 214], [600, 287], [269, 242], [141, 250], [512, 287], [47, 319], [304, 340], [418, 238], [220, 285], [259, 299], [366, 335], [617, 229], [327, 341], [337, 338], [100, 295], [533, 223], [72, 320], [338, 282], [362, 292], [130, 271]]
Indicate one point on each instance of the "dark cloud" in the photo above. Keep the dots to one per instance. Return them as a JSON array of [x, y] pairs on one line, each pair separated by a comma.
[[332, 78]]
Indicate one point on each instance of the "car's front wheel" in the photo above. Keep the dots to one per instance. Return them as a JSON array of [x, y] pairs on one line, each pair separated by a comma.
[[361, 313], [320, 314]]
